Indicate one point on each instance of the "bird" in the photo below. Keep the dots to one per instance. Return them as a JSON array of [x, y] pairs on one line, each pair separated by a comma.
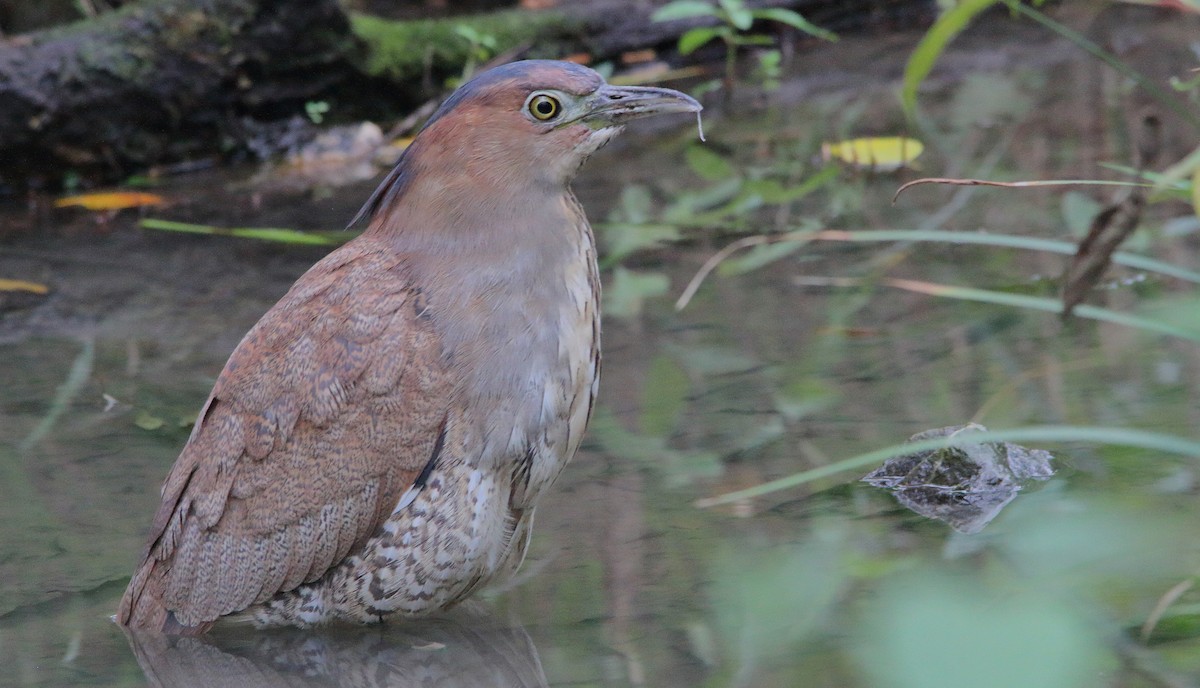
[[376, 444]]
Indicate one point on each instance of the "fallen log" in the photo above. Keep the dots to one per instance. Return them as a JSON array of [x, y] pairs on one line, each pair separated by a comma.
[[167, 80]]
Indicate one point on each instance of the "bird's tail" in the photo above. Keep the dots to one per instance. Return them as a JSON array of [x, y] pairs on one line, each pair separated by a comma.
[[142, 605]]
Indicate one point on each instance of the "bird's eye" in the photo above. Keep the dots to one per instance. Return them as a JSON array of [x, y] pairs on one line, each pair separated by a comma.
[[544, 107]]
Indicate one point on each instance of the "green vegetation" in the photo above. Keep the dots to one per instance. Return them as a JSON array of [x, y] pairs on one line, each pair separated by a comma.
[[405, 50], [734, 21]]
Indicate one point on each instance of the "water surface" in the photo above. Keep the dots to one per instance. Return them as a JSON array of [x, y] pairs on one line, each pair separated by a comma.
[[764, 374]]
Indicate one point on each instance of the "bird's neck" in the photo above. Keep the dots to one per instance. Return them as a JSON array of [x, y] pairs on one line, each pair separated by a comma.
[[511, 285], [455, 221]]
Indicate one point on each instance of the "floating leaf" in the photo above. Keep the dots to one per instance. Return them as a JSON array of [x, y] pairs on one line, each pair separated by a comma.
[[964, 486], [22, 285], [880, 153], [115, 200]]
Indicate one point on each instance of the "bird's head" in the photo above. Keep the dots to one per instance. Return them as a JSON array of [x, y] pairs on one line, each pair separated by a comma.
[[523, 126]]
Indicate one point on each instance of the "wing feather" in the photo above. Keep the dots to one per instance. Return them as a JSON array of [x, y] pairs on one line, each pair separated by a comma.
[[323, 416]]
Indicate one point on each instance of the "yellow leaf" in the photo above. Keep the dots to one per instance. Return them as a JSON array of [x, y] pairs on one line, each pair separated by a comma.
[[880, 153], [22, 285], [114, 200]]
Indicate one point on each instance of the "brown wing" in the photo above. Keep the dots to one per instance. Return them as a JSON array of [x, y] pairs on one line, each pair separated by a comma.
[[325, 413]]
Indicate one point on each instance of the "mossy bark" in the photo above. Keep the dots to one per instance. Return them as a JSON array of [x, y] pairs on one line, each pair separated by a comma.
[[160, 80]]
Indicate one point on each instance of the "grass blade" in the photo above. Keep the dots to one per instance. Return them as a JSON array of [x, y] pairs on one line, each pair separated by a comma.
[[933, 43], [1041, 303], [1127, 437], [281, 235], [1130, 260]]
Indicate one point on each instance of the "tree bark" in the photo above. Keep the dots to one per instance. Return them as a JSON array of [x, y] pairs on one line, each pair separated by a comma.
[[159, 81]]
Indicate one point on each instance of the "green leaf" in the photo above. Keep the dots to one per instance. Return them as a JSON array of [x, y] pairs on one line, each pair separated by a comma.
[[622, 239], [708, 164], [737, 14], [635, 204], [624, 297], [692, 40], [920, 63], [287, 236], [773, 192], [684, 9], [794, 19], [685, 209]]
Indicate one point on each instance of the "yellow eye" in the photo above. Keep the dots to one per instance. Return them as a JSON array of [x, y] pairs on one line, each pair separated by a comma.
[[544, 107]]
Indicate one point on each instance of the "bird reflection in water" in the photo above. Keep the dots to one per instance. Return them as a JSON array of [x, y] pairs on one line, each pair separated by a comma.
[[467, 648]]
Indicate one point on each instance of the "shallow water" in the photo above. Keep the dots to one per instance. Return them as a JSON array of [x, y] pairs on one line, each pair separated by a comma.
[[762, 375]]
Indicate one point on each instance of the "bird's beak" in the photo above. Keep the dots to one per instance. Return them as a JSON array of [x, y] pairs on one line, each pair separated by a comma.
[[613, 105]]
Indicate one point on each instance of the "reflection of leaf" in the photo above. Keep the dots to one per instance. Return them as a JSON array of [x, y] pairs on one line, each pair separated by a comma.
[[663, 397], [676, 466], [624, 297]]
